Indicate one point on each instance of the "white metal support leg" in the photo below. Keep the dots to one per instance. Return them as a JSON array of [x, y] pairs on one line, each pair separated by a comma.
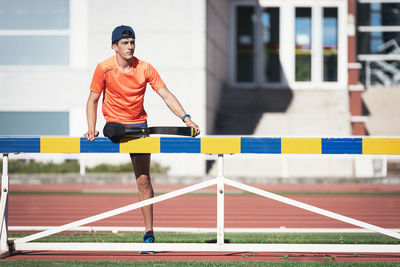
[[4, 249], [220, 200]]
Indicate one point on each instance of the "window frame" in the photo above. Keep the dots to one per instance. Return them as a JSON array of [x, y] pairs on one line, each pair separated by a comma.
[[77, 33], [287, 45], [366, 72]]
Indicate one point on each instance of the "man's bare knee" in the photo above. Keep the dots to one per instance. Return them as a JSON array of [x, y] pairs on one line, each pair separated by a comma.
[[143, 182]]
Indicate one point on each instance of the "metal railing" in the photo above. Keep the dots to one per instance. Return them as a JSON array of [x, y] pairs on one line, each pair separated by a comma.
[[383, 68]]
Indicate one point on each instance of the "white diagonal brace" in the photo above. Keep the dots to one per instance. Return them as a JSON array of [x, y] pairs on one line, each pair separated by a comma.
[[117, 211], [311, 208]]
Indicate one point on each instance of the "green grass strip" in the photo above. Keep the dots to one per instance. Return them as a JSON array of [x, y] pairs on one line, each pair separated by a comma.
[[326, 238], [29, 263], [282, 238]]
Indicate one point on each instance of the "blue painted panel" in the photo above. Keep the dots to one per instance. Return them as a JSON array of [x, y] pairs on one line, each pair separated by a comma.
[[180, 145], [261, 145], [19, 144], [341, 145], [99, 145]]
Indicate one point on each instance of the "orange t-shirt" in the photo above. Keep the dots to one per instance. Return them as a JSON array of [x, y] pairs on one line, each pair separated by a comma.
[[123, 93]]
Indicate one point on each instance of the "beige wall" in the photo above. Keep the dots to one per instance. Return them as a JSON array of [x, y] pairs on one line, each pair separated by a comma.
[[383, 106], [310, 113], [217, 56]]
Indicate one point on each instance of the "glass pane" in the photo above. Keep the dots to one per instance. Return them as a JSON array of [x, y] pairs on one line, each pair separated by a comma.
[[244, 44], [270, 31], [34, 50], [303, 44], [390, 14], [34, 14], [375, 12], [378, 14], [330, 43], [34, 123]]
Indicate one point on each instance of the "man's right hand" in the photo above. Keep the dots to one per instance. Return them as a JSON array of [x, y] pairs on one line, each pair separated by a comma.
[[90, 135]]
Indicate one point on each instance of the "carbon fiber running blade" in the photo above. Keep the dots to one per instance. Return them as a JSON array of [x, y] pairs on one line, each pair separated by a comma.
[[185, 131]]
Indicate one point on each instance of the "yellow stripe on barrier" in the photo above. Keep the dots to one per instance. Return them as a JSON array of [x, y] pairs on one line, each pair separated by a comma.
[[301, 146], [60, 145], [388, 146], [140, 145], [220, 145]]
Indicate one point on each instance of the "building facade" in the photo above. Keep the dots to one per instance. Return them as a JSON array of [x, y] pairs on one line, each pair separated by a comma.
[[239, 67]]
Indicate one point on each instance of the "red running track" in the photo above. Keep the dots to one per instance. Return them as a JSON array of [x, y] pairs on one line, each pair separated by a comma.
[[199, 210]]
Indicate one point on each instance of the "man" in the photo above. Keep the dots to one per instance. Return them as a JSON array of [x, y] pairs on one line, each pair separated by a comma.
[[122, 79]]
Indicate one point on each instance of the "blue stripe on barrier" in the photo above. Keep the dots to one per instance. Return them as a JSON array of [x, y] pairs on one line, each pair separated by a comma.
[[179, 145], [260, 145], [341, 145], [20, 145], [99, 145]]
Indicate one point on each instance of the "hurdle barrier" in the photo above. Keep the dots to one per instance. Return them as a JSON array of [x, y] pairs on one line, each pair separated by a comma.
[[204, 145]]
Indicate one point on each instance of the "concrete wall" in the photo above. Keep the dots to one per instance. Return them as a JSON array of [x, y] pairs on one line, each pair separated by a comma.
[[382, 108], [217, 56], [310, 113]]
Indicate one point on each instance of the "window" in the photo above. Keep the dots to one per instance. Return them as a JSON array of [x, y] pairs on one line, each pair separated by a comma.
[[378, 42], [379, 23], [34, 32], [255, 63], [375, 24], [303, 44], [34, 123], [330, 43], [245, 49], [270, 37], [298, 44]]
